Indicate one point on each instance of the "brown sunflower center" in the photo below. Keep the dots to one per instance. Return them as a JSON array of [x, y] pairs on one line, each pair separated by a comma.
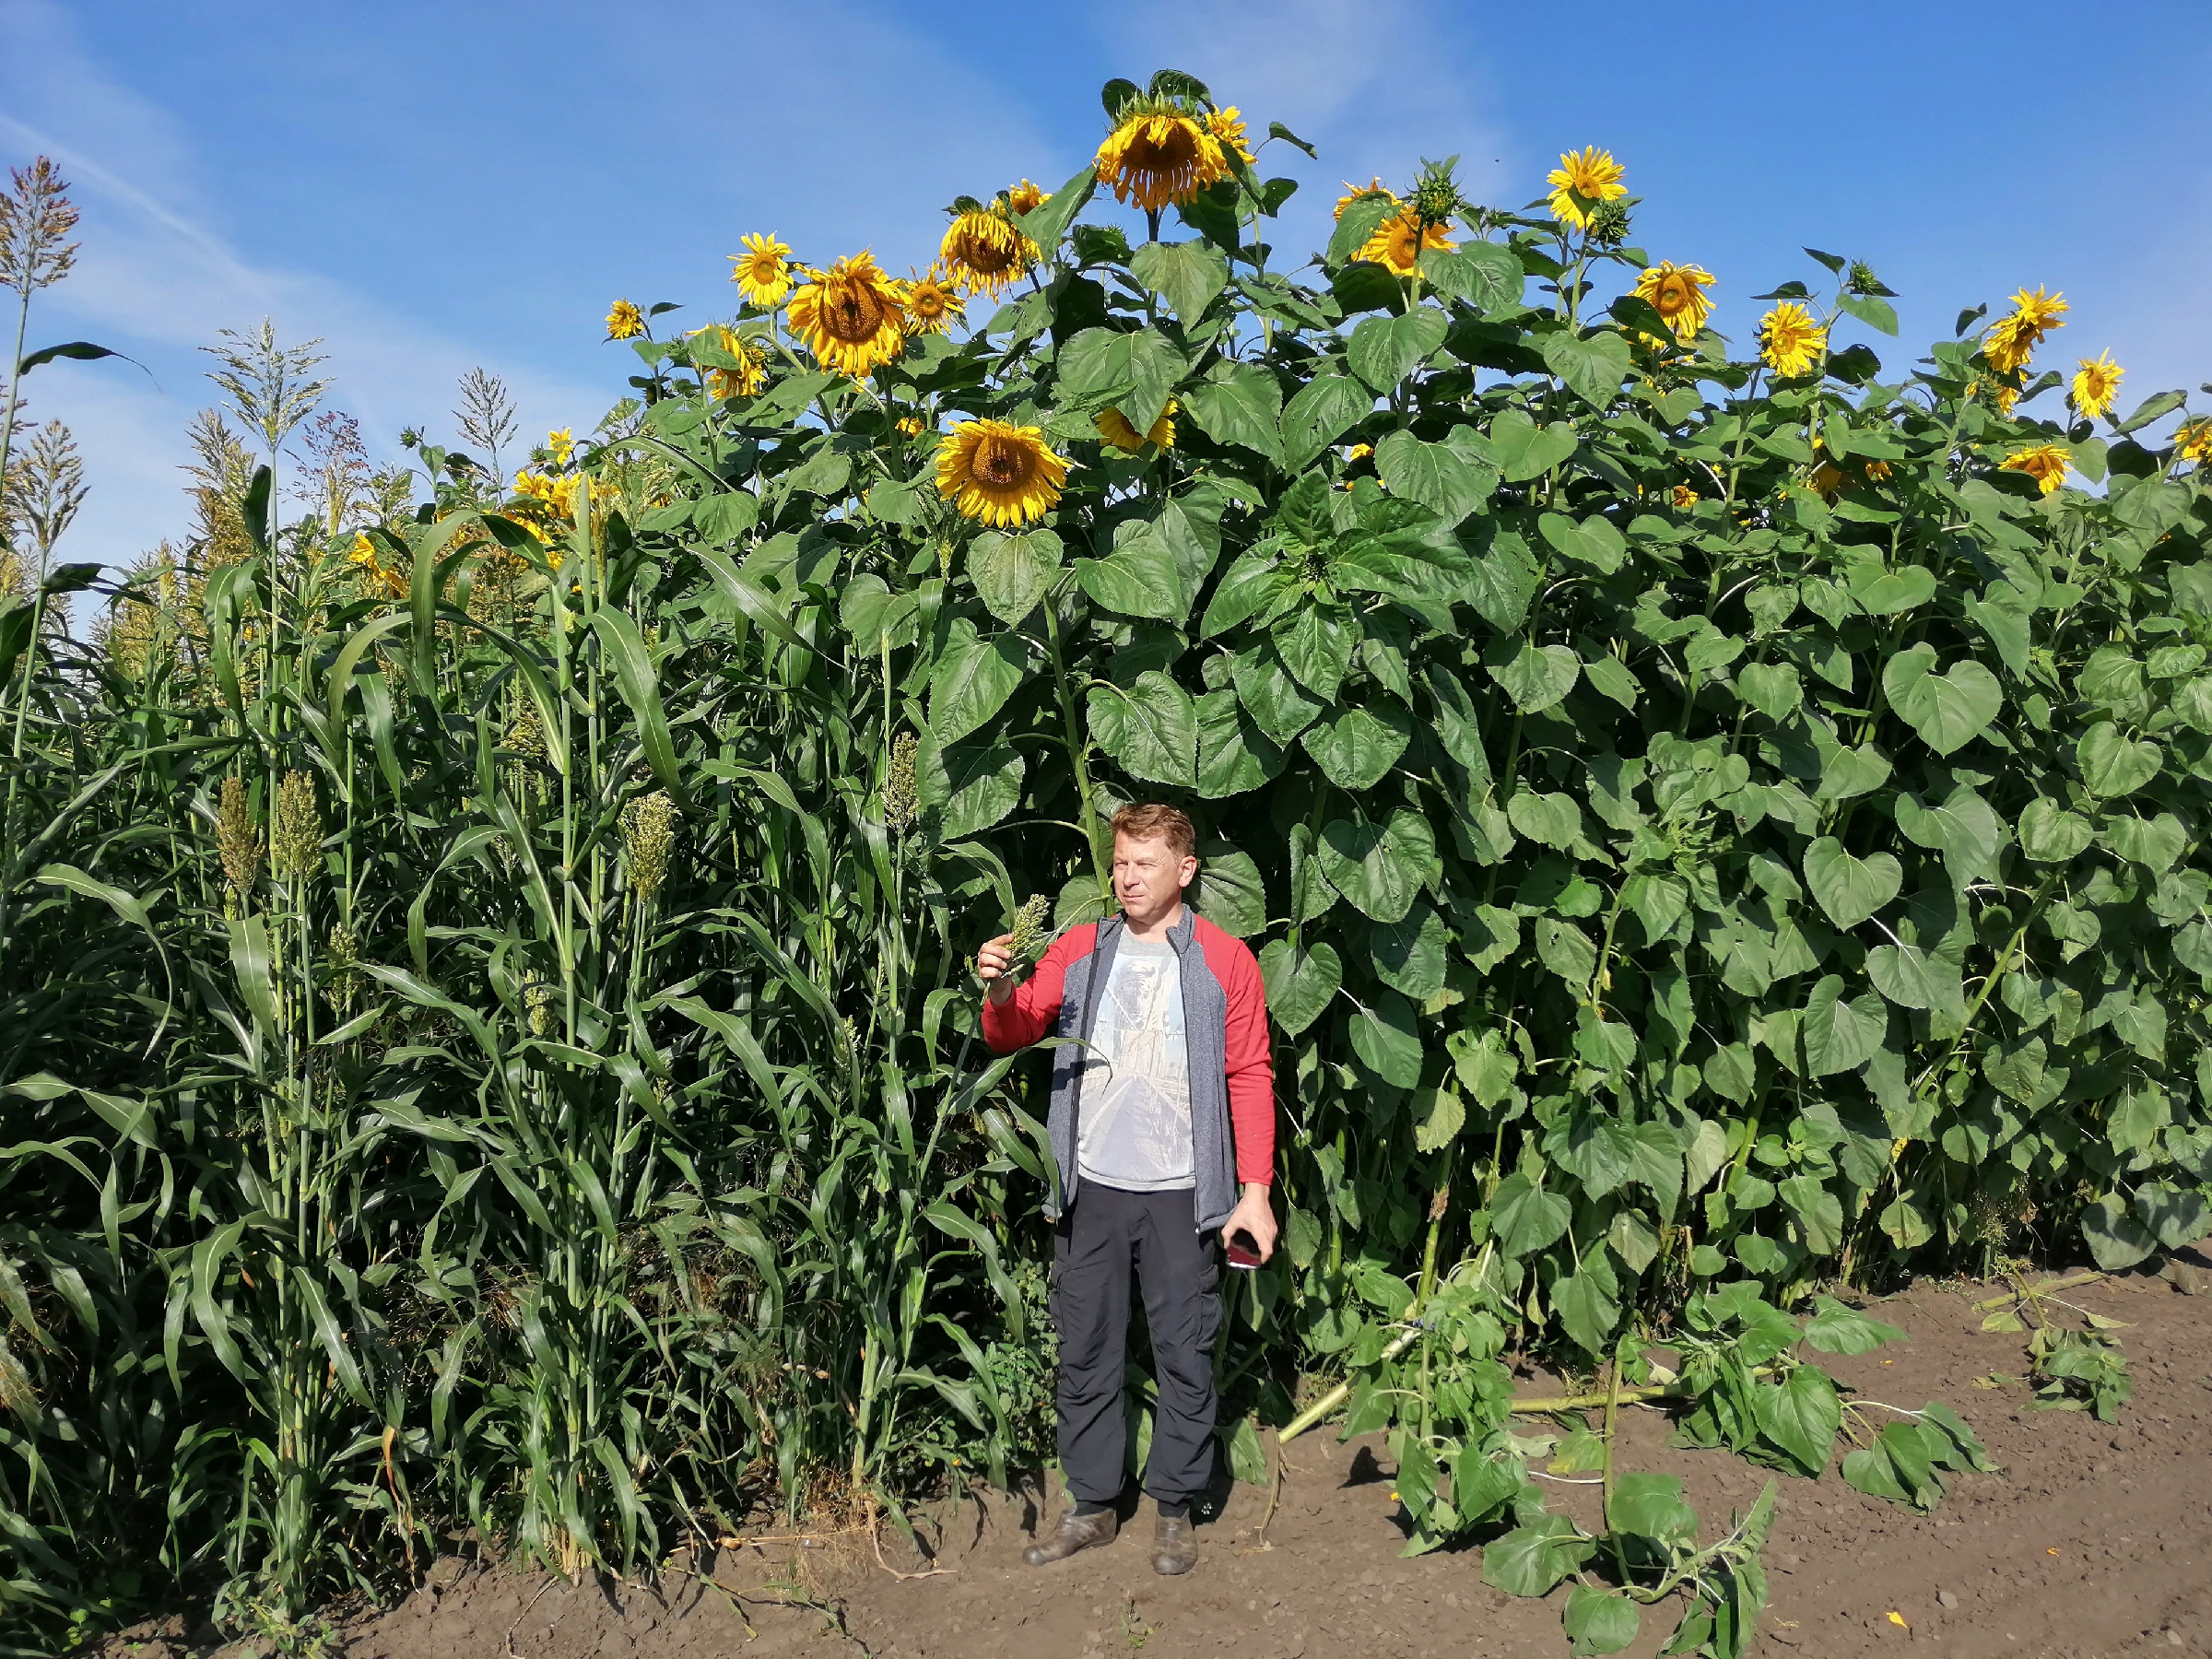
[[1673, 295], [1166, 152], [1001, 464], [929, 300], [985, 252], [855, 312]]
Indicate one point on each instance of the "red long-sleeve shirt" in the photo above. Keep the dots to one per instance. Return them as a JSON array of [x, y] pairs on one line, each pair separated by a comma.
[[1248, 1067]]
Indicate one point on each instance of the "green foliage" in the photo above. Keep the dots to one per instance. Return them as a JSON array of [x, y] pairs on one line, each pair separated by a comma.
[[1705, 835]]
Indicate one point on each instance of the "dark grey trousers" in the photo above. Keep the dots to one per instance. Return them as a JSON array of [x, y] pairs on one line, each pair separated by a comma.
[[1104, 1235]]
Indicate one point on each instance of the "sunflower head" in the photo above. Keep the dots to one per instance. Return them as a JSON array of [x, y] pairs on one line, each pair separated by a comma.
[[1115, 429], [1677, 294], [2013, 338], [624, 321], [2193, 439], [1160, 154], [2097, 385], [762, 272], [1228, 128], [748, 377], [1790, 340], [1355, 193], [2045, 463], [1026, 197], [933, 304], [560, 445], [911, 426], [999, 474], [851, 316], [1584, 179], [982, 251], [1399, 240], [1683, 498]]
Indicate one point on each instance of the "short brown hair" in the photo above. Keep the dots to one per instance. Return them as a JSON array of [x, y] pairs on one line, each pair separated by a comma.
[[1153, 821]]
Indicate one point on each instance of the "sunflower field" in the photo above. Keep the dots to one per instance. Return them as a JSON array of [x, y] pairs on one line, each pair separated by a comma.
[[487, 1047]]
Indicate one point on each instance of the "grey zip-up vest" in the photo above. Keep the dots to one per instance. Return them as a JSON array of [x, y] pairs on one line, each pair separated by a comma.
[[1206, 1032]]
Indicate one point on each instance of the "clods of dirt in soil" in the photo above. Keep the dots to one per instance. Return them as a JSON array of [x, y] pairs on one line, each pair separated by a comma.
[[2096, 1541]]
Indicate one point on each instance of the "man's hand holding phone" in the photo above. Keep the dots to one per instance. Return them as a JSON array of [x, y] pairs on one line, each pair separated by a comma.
[[1249, 1233]]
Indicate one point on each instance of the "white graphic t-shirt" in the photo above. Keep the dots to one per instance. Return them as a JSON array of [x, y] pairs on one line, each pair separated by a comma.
[[1136, 1098]]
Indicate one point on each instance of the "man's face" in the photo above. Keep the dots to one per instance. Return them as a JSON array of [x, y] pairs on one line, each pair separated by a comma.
[[1149, 877]]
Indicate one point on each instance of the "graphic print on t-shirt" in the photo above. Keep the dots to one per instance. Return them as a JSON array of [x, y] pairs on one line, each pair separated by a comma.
[[1136, 1083]]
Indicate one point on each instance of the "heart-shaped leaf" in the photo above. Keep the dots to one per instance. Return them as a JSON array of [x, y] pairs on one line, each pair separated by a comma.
[[1850, 889], [1947, 709], [2112, 764]]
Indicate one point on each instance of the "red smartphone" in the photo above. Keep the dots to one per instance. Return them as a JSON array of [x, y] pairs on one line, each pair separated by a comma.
[[1244, 1249]]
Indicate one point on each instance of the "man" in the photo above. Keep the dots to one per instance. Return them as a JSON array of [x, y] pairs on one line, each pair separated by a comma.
[[1162, 1127]]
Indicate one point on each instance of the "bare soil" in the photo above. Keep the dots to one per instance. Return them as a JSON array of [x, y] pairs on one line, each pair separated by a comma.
[[2097, 1540]]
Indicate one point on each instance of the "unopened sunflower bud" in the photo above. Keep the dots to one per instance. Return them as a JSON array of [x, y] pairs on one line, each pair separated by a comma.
[[1609, 224], [296, 838], [236, 839], [1862, 281], [648, 833], [899, 799]]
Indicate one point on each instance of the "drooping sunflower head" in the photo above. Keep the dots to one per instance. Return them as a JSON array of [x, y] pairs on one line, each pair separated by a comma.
[[933, 304], [1677, 294], [1115, 429], [1582, 179], [1026, 197], [2013, 338], [762, 272], [2193, 439], [1790, 340], [2097, 385], [750, 374], [999, 474], [851, 316], [1159, 156], [983, 251], [1683, 498], [624, 321], [2045, 463], [1228, 128]]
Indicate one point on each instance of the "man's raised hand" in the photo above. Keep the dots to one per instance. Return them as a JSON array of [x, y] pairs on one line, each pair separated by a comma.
[[995, 967]]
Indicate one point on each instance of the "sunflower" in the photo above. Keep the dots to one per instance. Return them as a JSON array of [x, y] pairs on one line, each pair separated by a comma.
[[1586, 176], [745, 381], [1790, 340], [625, 321], [762, 272], [2013, 338], [1398, 240], [1026, 197], [1678, 293], [1228, 128], [1683, 498], [997, 473], [985, 252], [2193, 439], [2097, 385], [2046, 464], [851, 316], [1115, 429], [911, 426], [375, 577], [1355, 193], [1160, 158], [1358, 451], [932, 304], [560, 445]]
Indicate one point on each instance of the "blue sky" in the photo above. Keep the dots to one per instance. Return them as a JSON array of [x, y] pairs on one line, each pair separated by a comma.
[[433, 187]]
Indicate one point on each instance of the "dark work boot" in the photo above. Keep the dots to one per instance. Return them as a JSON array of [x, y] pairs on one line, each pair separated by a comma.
[[1174, 1545], [1075, 1532]]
